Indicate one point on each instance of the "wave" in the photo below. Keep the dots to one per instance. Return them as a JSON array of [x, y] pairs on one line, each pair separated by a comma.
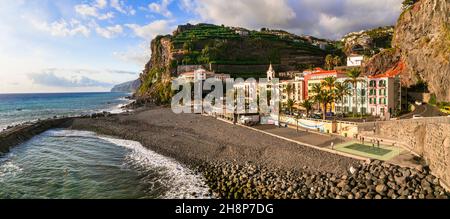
[[8, 167], [185, 184]]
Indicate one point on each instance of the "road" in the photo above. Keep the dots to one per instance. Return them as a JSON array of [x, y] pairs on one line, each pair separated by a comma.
[[424, 110]]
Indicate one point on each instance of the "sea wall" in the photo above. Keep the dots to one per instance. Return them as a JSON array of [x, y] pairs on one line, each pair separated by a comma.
[[428, 137], [19, 134]]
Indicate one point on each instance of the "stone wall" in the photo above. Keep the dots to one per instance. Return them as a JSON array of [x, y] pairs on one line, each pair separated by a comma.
[[428, 137]]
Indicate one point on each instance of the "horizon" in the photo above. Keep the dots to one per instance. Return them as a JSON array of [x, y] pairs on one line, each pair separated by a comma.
[[90, 46]]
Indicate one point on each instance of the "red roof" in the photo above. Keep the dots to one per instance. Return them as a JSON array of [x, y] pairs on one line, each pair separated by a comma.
[[396, 70]]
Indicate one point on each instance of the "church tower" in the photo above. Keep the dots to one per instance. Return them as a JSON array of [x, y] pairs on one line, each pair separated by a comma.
[[270, 73]]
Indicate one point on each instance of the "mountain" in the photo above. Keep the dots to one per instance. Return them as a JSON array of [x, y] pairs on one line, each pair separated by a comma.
[[233, 50], [422, 41], [127, 87]]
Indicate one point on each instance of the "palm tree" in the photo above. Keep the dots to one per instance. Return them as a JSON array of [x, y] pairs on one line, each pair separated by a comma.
[[324, 97], [316, 89], [308, 105], [354, 75], [289, 90], [330, 84], [341, 90], [290, 105], [337, 61], [329, 61]]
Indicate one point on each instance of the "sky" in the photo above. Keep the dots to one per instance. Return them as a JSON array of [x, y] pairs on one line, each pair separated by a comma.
[[91, 45]]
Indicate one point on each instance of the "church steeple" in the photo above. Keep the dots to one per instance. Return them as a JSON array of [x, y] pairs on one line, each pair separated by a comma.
[[270, 73]]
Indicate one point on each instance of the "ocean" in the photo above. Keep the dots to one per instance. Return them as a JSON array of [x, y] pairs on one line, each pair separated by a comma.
[[71, 164], [19, 108]]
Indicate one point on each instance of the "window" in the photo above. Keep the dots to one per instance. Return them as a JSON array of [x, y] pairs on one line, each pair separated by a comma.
[[370, 100], [381, 100], [382, 83], [363, 110], [372, 83], [363, 92], [384, 100], [363, 100]]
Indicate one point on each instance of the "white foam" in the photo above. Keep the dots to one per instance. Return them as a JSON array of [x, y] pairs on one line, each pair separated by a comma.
[[8, 167], [184, 182]]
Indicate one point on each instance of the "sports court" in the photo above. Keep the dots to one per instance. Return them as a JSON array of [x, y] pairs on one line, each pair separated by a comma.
[[383, 152]]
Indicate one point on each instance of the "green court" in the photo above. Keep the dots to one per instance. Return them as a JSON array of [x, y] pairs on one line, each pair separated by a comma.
[[383, 152]]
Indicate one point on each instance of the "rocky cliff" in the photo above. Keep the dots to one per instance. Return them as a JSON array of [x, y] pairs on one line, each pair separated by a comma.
[[422, 41], [422, 37], [127, 87]]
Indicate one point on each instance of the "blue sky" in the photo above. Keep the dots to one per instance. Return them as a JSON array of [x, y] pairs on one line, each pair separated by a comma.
[[90, 45]]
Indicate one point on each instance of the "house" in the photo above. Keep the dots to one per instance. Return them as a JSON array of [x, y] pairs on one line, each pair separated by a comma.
[[292, 90], [198, 75], [355, 60], [385, 92], [354, 103]]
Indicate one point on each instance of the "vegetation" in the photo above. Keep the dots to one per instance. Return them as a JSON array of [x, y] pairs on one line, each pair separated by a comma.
[[408, 4], [432, 100], [207, 43], [342, 90], [308, 105]]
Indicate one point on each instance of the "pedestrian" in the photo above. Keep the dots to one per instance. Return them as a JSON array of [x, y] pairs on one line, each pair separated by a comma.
[[332, 145], [362, 140], [378, 143]]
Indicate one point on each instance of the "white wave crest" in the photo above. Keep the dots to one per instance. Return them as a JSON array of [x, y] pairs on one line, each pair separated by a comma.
[[184, 182]]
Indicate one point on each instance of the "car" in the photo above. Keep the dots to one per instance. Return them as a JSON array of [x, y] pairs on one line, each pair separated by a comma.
[[417, 116], [418, 102]]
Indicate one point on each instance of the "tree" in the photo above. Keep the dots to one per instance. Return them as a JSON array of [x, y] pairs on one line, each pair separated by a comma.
[[354, 75], [290, 105], [337, 61], [330, 84], [342, 90], [329, 62], [308, 105], [289, 90], [324, 97], [316, 88]]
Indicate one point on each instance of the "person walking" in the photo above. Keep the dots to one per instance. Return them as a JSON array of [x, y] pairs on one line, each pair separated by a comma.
[[332, 145]]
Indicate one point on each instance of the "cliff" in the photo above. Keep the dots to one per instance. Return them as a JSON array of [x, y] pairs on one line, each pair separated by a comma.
[[422, 41], [127, 87], [236, 51], [422, 37]]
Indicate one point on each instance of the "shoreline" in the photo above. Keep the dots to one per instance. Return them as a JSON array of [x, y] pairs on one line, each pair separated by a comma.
[[251, 165]]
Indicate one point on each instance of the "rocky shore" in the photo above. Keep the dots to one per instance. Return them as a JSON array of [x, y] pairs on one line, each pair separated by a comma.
[[375, 180]]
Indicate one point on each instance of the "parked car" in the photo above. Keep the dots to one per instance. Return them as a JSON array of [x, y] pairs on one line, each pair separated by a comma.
[[316, 116], [417, 116]]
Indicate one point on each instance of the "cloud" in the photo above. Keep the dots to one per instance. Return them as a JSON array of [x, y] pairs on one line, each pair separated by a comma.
[[92, 11], [138, 55], [161, 8], [322, 18], [62, 28], [109, 32], [101, 3], [152, 29], [50, 79], [121, 7]]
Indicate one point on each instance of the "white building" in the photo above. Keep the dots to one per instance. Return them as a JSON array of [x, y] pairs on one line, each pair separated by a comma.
[[355, 60], [354, 103]]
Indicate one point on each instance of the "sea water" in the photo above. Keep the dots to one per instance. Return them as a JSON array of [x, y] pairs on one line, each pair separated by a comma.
[[70, 164], [63, 164], [19, 108]]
